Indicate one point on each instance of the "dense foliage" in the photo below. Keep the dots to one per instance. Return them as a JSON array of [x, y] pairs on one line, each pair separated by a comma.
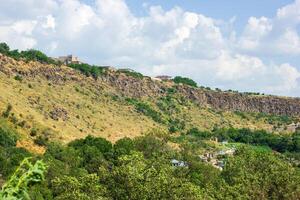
[[146, 109], [89, 70], [131, 73], [280, 143], [184, 80], [93, 168], [28, 55]]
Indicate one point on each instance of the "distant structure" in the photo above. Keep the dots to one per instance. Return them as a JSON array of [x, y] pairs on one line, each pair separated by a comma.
[[178, 163], [164, 78], [126, 70], [69, 59]]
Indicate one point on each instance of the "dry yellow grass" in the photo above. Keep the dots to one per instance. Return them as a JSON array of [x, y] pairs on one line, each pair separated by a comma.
[[87, 113], [92, 111]]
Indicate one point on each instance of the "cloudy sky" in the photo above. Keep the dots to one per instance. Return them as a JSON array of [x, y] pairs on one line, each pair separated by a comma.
[[249, 45]]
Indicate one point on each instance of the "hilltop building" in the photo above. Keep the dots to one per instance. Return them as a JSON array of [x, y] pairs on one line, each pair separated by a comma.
[[69, 59], [164, 78]]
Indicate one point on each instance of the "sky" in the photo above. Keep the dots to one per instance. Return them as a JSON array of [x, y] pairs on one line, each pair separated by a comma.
[[241, 45]]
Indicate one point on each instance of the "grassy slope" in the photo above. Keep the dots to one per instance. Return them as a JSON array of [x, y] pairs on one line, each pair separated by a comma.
[[95, 112]]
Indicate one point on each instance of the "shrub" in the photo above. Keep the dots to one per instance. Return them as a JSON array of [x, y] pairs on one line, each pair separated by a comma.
[[132, 73], [88, 70], [29, 55], [41, 140], [123, 146], [7, 111], [176, 125], [7, 138], [33, 132], [103, 145], [35, 55], [4, 48], [184, 80], [147, 110]]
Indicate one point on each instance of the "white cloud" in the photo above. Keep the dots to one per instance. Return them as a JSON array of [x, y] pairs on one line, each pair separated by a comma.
[[288, 76], [290, 12], [175, 41], [49, 22], [19, 34], [289, 42], [256, 29]]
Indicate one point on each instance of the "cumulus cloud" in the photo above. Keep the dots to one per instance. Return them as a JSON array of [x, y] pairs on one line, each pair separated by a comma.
[[174, 42], [255, 31]]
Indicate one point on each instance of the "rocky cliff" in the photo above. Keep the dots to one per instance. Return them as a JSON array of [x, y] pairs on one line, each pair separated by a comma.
[[207, 98]]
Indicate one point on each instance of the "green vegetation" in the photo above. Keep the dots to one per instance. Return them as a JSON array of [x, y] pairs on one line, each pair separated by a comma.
[[7, 138], [276, 119], [26, 175], [89, 70], [146, 109], [264, 165], [29, 55], [280, 143], [131, 73], [186, 81], [93, 168], [6, 113]]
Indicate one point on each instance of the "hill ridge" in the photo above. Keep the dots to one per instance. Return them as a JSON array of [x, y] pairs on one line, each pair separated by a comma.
[[146, 87]]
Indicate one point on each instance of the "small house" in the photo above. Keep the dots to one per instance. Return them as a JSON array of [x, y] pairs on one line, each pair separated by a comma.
[[178, 163], [69, 59], [164, 78]]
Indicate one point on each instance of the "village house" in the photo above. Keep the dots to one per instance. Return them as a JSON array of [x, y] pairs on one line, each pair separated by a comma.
[[216, 159], [163, 78], [69, 59], [178, 163]]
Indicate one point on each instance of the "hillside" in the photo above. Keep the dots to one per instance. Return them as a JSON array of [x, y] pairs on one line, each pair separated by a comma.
[[61, 103], [92, 132]]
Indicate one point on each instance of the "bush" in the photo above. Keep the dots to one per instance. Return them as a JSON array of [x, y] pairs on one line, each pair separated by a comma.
[[29, 55], [33, 132], [186, 81], [123, 147], [147, 110], [89, 70], [18, 78], [132, 73], [7, 139], [35, 55], [41, 140], [4, 48], [176, 125], [7, 111], [103, 145], [199, 134]]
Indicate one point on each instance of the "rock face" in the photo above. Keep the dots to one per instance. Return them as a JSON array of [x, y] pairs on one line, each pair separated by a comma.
[[218, 100], [146, 87]]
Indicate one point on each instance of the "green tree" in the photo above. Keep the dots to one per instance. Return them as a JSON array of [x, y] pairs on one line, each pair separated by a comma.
[[135, 178], [4, 48], [86, 187], [261, 175], [184, 80]]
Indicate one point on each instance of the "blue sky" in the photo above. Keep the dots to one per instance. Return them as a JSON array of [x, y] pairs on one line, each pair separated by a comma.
[[240, 45], [219, 9]]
